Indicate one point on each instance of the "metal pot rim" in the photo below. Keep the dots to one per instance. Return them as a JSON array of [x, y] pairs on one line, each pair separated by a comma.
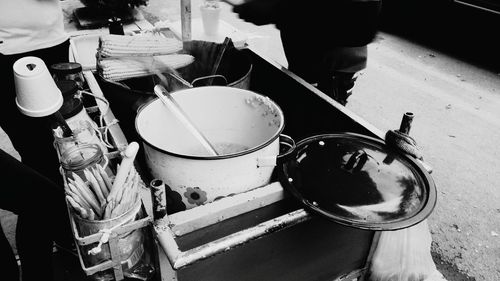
[[218, 157]]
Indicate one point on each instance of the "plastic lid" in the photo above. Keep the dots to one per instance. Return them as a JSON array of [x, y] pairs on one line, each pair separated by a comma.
[[357, 181], [66, 68]]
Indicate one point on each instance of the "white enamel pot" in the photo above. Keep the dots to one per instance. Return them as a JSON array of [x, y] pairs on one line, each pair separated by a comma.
[[243, 126]]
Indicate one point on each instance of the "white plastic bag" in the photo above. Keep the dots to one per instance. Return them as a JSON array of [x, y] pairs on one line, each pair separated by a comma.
[[405, 255]]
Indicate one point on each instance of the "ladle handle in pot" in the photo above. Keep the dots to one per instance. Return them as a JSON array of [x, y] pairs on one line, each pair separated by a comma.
[[182, 117]]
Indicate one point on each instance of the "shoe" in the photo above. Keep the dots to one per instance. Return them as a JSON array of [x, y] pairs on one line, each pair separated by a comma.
[[343, 84]]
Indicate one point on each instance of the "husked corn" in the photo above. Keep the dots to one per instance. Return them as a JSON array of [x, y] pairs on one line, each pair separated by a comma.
[[111, 45], [117, 69]]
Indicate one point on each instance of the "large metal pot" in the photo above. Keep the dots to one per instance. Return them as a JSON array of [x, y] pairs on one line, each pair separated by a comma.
[[243, 126]]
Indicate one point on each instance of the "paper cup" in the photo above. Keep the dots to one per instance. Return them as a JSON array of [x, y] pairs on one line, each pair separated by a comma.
[[210, 18], [37, 94]]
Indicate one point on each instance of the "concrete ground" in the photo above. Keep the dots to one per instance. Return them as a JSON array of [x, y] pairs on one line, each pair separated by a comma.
[[456, 124]]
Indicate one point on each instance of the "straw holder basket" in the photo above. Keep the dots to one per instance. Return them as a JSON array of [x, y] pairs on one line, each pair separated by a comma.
[[123, 250]]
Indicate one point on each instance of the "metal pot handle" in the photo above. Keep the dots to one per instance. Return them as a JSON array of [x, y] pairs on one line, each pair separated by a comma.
[[286, 154], [287, 151], [193, 83]]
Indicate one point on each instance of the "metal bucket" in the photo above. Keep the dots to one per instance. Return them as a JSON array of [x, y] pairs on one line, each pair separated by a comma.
[[234, 69], [130, 244]]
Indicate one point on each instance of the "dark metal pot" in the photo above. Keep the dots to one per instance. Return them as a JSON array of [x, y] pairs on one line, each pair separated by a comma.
[[234, 69]]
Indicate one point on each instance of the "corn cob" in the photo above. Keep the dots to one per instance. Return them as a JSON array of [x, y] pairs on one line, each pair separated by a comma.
[[142, 45], [109, 208], [79, 193], [135, 192], [126, 164], [87, 194], [66, 188], [119, 196], [91, 215], [127, 196], [78, 199], [72, 203], [101, 182], [128, 184], [120, 69], [95, 187], [73, 191], [78, 209], [105, 177]]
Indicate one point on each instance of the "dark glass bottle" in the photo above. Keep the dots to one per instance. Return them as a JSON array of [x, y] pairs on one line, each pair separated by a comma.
[[116, 26]]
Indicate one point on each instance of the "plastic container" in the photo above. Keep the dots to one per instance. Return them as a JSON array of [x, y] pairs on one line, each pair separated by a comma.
[[210, 16]]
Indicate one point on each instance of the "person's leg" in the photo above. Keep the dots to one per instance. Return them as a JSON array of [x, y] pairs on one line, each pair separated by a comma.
[[332, 71], [42, 215], [339, 69], [34, 245], [10, 271], [303, 57], [338, 85]]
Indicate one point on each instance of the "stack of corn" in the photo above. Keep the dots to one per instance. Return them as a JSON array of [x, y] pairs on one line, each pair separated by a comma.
[[117, 69], [93, 200], [121, 57]]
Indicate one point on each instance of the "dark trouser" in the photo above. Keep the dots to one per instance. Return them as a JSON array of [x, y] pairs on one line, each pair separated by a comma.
[[30, 136], [42, 218], [332, 71], [334, 47]]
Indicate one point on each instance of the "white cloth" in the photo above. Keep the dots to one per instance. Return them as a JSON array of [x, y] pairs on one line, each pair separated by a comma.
[[405, 255], [27, 25]]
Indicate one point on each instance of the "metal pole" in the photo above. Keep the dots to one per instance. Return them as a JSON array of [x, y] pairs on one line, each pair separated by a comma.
[[159, 199], [406, 123], [186, 20]]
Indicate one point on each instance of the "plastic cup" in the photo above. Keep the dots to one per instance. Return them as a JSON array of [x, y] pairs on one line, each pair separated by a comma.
[[210, 17], [37, 94]]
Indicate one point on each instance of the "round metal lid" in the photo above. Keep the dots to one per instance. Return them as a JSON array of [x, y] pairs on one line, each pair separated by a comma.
[[66, 68], [358, 181]]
